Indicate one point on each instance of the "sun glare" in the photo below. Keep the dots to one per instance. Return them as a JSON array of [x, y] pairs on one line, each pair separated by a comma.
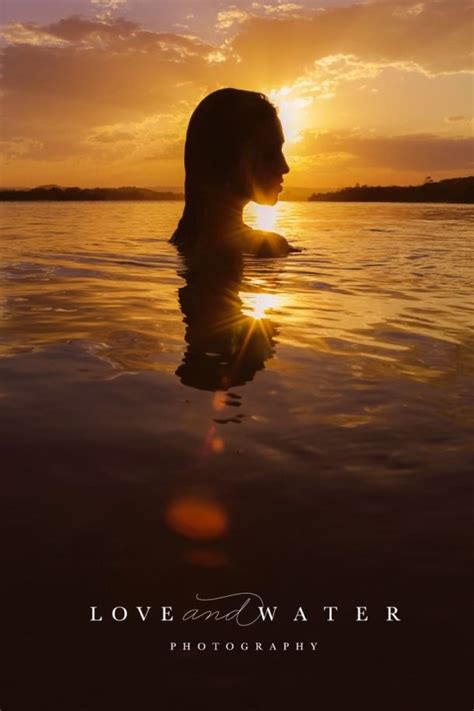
[[257, 305], [262, 217], [290, 112]]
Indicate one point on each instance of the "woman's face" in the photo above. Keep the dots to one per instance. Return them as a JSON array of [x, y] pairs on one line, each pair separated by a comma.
[[265, 163]]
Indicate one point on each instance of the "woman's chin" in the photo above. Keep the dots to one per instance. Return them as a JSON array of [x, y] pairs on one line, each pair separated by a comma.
[[267, 198]]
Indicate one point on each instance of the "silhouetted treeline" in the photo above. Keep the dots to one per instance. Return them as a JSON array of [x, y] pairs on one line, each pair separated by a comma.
[[452, 190], [57, 193]]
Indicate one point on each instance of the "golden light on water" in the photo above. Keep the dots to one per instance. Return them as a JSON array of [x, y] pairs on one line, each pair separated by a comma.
[[219, 400], [262, 217], [258, 305]]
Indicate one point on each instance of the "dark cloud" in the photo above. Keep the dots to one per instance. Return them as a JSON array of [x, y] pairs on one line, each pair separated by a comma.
[[416, 152]]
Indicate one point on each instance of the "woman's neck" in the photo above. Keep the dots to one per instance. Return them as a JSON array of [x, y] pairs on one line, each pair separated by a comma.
[[225, 214], [213, 218]]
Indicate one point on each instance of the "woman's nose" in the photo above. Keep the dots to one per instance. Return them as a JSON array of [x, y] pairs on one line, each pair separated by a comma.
[[285, 168]]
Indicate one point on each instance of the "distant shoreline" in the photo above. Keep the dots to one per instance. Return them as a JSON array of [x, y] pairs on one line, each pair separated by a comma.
[[59, 194], [453, 190]]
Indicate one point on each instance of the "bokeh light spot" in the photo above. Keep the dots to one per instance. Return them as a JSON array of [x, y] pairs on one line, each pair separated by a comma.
[[217, 445], [197, 518], [207, 558]]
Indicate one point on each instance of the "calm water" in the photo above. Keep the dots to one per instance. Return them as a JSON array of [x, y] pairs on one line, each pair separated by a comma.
[[305, 420], [369, 334]]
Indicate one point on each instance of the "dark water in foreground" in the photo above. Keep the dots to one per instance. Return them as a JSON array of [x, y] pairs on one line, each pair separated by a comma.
[[300, 430]]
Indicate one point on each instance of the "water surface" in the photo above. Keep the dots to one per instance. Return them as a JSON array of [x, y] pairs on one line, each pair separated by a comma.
[[301, 424], [367, 332]]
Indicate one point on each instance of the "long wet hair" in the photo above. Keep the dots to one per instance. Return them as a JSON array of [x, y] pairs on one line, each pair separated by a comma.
[[220, 126]]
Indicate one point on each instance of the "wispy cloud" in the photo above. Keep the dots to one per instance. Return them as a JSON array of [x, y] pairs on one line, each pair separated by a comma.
[[19, 147], [414, 152], [108, 4], [457, 119], [229, 17], [64, 80], [282, 9], [105, 9], [29, 34]]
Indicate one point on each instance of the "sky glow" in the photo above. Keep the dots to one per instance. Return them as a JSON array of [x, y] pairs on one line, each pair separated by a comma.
[[99, 92]]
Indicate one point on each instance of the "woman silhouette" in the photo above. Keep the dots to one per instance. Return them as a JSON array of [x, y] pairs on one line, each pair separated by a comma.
[[233, 154]]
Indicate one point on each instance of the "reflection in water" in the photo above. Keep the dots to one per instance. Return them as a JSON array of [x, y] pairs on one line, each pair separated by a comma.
[[226, 346], [197, 518], [257, 305], [374, 313]]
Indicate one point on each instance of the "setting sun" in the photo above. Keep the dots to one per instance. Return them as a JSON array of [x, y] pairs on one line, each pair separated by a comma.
[[291, 113]]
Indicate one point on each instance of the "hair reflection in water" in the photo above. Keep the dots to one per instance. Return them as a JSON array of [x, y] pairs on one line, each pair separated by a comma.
[[225, 347]]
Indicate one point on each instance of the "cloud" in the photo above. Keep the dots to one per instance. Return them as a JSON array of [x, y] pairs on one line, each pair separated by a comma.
[[172, 148], [106, 8], [282, 9], [233, 16], [19, 147], [324, 77], [104, 66], [108, 135], [416, 152], [457, 119], [410, 9], [66, 80], [160, 135], [107, 5], [118, 35], [230, 17], [29, 34], [434, 35], [112, 4]]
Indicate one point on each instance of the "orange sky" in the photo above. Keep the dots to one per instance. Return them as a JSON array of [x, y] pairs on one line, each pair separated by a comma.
[[98, 92]]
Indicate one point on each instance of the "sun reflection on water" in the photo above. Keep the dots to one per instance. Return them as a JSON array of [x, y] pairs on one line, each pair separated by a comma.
[[262, 217], [258, 305]]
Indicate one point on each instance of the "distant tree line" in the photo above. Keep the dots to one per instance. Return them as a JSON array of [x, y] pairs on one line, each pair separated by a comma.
[[460, 190], [67, 194]]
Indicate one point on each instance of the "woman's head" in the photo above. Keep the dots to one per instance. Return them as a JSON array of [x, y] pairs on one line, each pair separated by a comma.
[[234, 145]]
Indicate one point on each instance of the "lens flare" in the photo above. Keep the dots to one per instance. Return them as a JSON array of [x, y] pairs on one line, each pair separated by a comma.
[[197, 518], [257, 305], [262, 217]]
